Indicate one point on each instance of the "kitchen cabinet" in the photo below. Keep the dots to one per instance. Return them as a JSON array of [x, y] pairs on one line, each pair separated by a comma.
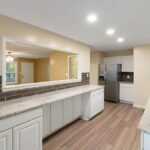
[[127, 92], [46, 120], [93, 103], [113, 60], [145, 140], [97, 103], [56, 115], [27, 136], [6, 140], [127, 64], [68, 110], [126, 61], [22, 131], [77, 106]]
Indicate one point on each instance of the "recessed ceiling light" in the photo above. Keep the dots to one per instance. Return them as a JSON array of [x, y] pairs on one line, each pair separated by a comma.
[[68, 48], [120, 40], [52, 45], [31, 39], [110, 31], [92, 18]]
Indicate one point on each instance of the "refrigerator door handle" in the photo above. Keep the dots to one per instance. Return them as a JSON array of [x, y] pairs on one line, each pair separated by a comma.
[[105, 75]]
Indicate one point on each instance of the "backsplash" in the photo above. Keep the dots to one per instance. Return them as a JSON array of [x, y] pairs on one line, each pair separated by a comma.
[[127, 76], [33, 91]]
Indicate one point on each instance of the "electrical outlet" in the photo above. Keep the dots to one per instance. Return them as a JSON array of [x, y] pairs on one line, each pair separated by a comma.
[[128, 76]]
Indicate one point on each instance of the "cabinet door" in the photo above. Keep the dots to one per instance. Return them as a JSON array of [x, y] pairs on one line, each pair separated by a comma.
[[6, 140], [46, 120], [127, 64], [56, 115], [146, 141], [28, 136], [77, 106], [127, 93], [97, 103], [113, 60], [68, 112]]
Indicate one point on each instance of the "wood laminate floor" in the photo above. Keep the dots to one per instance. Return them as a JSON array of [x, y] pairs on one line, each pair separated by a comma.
[[116, 128]]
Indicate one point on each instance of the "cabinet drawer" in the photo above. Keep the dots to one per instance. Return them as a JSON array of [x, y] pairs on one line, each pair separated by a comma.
[[97, 92]]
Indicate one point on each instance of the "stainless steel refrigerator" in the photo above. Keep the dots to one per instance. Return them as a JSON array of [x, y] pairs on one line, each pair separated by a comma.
[[109, 75]]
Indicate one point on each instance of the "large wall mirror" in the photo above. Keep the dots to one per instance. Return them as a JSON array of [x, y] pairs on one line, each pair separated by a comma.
[[27, 63]]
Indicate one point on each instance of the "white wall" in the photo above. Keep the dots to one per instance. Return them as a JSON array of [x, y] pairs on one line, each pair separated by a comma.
[[22, 31], [141, 75]]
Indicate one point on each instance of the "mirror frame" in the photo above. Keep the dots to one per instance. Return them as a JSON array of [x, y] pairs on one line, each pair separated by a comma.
[[32, 85]]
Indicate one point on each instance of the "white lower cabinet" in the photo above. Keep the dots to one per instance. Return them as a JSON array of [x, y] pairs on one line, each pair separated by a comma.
[[6, 140], [77, 106], [127, 92], [46, 120], [28, 135], [68, 110], [93, 103], [145, 141], [22, 131], [97, 103], [56, 115]]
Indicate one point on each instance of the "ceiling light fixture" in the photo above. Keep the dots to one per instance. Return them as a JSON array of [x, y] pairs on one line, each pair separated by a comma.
[[120, 40], [31, 39], [110, 31], [9, 58], [52, 45], [92, 18]]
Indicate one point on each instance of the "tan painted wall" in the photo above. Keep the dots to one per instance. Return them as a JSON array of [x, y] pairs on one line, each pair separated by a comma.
[[42, 70], [141, 75], [118, 53], [96, 59], [58, 66], [23, 31]]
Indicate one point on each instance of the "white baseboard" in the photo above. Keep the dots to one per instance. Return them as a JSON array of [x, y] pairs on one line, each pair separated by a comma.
[[139, 106], [126, 102]]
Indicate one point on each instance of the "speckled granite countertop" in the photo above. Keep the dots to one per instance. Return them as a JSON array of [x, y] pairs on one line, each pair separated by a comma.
[[16, 106], [145, 121]]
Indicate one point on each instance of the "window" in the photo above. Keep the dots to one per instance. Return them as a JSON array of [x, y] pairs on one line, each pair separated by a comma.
[[11, 73]]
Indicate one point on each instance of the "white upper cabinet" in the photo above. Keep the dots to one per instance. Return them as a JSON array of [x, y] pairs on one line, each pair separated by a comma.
[[113, 60], [127, 64], [28, 136], [6, 140], [126, 61]]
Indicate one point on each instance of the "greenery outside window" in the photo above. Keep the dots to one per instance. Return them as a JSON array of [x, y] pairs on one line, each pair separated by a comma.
[[11, 73]]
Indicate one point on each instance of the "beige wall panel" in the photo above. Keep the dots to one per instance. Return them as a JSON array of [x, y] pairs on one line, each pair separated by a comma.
[[58, 66], [96, 59], [141, 75], [13, 28], [42, 70]]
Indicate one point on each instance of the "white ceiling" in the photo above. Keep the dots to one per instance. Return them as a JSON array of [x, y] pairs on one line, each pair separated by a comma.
[[23, 50], [130, 19]]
